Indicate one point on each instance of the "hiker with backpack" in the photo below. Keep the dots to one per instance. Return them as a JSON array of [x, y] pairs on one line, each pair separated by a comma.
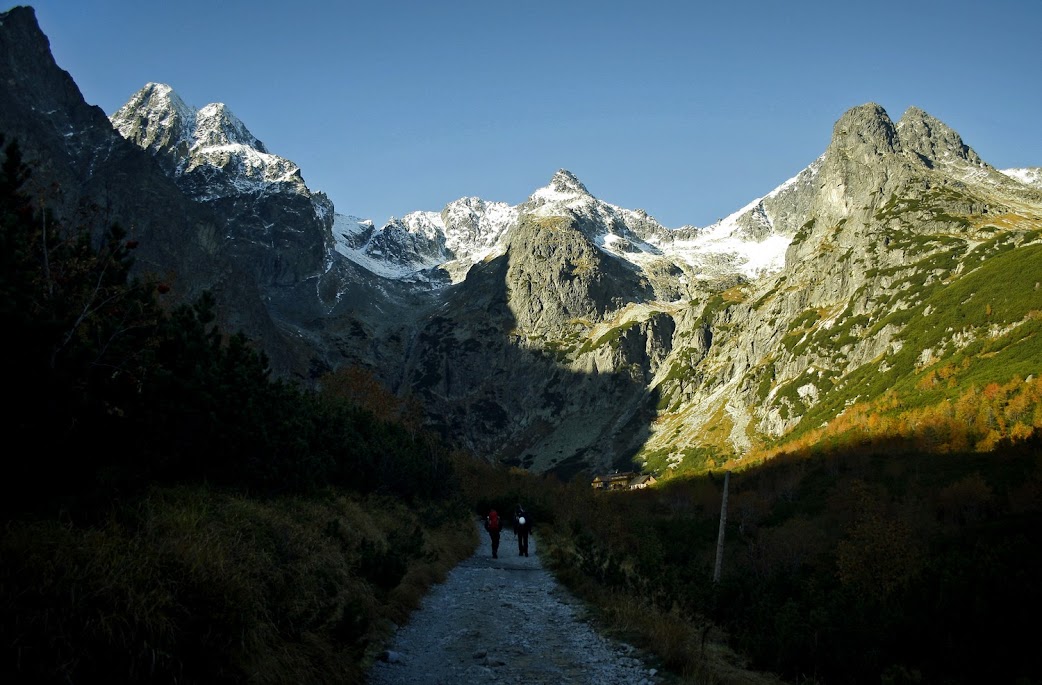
[[522, 527], [494, 526]]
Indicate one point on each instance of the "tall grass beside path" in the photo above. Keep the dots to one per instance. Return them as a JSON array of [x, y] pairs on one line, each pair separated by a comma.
[[191, 585]]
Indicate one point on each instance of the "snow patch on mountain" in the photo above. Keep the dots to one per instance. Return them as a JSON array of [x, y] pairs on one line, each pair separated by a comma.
[[248, 170], [474, 228], [636, 237], [430, 247], [351, 236], [724, 242], [1031, 176]]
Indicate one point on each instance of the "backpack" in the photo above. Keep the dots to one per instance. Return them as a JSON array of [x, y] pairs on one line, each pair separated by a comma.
[[492, 523]]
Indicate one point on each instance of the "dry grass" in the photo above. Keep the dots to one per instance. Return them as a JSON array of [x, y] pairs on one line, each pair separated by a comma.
[[694, 651], [691, 650], [191, 585], [445, 548]]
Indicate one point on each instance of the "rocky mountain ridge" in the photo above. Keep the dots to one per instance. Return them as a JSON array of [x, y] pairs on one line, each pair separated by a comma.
[[421, 244], [566, 333]]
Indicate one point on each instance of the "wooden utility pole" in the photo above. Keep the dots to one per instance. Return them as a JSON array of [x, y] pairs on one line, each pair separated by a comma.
[[723, 524]]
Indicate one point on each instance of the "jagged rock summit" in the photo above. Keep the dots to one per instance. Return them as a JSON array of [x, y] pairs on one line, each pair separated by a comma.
[[933, 140], [431, 249], [105, 179]]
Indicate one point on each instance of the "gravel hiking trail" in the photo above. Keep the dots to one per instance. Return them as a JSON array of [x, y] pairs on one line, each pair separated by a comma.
[[506, 621]]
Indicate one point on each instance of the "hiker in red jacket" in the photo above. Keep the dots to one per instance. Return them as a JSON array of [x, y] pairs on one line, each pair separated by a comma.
[[494, 526]]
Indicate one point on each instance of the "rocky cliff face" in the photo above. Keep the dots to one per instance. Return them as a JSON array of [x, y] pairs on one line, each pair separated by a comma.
[[557, 276], [564, 333]]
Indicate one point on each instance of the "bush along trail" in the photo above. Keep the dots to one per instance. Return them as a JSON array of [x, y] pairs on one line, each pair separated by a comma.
[[506, 620]]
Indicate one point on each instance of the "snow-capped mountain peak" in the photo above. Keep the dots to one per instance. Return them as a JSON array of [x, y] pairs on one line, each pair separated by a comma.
[[439, 248], [214, 155], [209, 149], [565, 182]]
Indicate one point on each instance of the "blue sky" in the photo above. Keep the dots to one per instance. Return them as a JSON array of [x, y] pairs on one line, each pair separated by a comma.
[[685, 109]]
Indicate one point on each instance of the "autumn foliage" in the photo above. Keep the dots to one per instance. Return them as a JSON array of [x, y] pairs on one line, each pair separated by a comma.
[[998, 415]]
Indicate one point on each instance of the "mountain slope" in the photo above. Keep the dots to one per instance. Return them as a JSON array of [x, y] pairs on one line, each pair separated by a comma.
[[904, 214]]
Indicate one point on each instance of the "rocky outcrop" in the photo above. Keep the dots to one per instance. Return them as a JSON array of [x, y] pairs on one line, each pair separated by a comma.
[[556, 276]]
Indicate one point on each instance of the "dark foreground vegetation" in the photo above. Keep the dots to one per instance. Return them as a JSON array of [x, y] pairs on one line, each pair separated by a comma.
[[880, 566], [172, 514]]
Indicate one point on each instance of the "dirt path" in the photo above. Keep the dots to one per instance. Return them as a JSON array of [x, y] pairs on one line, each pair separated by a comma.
[[507, 621]]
